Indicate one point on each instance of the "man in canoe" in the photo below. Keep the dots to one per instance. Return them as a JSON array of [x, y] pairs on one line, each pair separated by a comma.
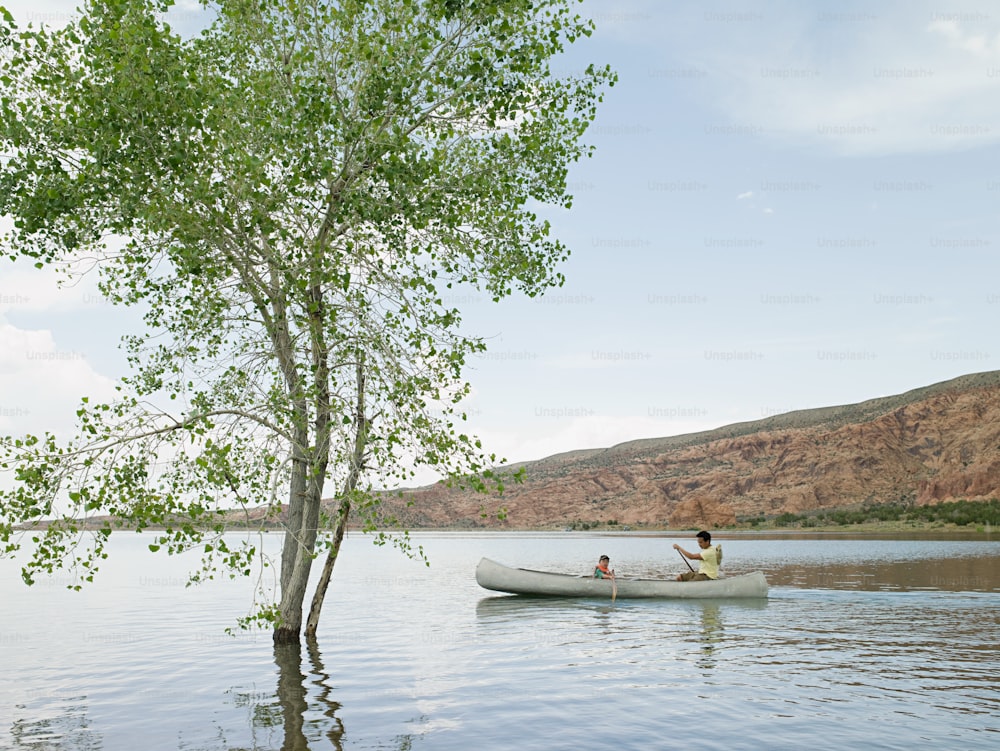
[[709, 557], [601, 570]]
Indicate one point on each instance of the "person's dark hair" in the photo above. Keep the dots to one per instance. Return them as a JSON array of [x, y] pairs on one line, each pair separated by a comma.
[[603, 558], [706, 536]]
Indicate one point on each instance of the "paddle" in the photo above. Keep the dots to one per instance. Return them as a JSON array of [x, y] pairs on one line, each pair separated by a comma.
[[614, 587], [684, 558]]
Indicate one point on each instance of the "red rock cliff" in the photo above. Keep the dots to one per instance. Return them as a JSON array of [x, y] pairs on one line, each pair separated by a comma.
[[933, 444]]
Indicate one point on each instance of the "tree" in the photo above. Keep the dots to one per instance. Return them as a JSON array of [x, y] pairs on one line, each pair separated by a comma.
[[288, 194]]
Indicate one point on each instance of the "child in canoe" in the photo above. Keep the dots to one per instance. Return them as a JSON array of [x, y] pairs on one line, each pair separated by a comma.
[[601, 571]]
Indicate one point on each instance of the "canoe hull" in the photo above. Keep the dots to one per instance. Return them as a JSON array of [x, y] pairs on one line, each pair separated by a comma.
[[499, 578]]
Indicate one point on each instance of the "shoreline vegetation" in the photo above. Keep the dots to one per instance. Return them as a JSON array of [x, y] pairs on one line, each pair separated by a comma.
[[960, 516]]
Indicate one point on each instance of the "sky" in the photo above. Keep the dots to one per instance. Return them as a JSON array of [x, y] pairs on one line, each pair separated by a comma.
[[791, 205]]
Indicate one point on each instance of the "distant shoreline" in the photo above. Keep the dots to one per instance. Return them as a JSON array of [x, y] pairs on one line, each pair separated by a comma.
[[894, 528], [948, 518]]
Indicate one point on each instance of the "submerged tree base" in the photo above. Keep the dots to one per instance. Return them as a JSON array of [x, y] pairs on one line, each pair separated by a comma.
[[286, 635]]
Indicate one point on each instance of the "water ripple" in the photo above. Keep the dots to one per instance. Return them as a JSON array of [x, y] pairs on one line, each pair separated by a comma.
[[408, 657]]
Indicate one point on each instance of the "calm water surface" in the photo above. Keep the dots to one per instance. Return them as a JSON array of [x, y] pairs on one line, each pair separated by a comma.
[[881, 644]]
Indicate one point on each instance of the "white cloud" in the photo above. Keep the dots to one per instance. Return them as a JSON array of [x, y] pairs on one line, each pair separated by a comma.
[[742, 196], [25, 289], [588, 432], [54, 13], [903, 79], [551, 436], [41, 384], [983, 46], [186, 17]]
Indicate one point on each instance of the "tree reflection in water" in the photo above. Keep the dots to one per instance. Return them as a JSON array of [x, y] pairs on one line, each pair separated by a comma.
[[294, 698], [68, 729], [302, 709], [298, 701]]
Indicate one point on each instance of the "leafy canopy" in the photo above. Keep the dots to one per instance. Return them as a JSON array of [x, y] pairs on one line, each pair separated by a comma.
[[288, 194]]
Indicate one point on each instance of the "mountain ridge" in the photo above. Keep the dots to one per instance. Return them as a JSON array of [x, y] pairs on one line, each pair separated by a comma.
[[814, 417], [917, 447]]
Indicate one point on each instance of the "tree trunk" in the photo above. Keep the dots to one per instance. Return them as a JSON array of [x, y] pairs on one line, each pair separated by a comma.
[[305, 502], [344, 512], [297, 557], [324, 580], [293, 519]]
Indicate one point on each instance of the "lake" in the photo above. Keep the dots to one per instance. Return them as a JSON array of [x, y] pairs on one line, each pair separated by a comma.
[[872, 643]]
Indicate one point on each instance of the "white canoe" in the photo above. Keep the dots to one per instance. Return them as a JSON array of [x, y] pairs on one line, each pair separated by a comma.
[[522, 581]]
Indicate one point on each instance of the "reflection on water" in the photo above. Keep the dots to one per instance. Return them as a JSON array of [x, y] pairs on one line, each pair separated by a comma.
[[502, 607], [942, 574], [331, 727], [291, 695], [305, 703], [67, 729], [301, 710], [884, 644], [294, 701], [573, 622], [711, 634]]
